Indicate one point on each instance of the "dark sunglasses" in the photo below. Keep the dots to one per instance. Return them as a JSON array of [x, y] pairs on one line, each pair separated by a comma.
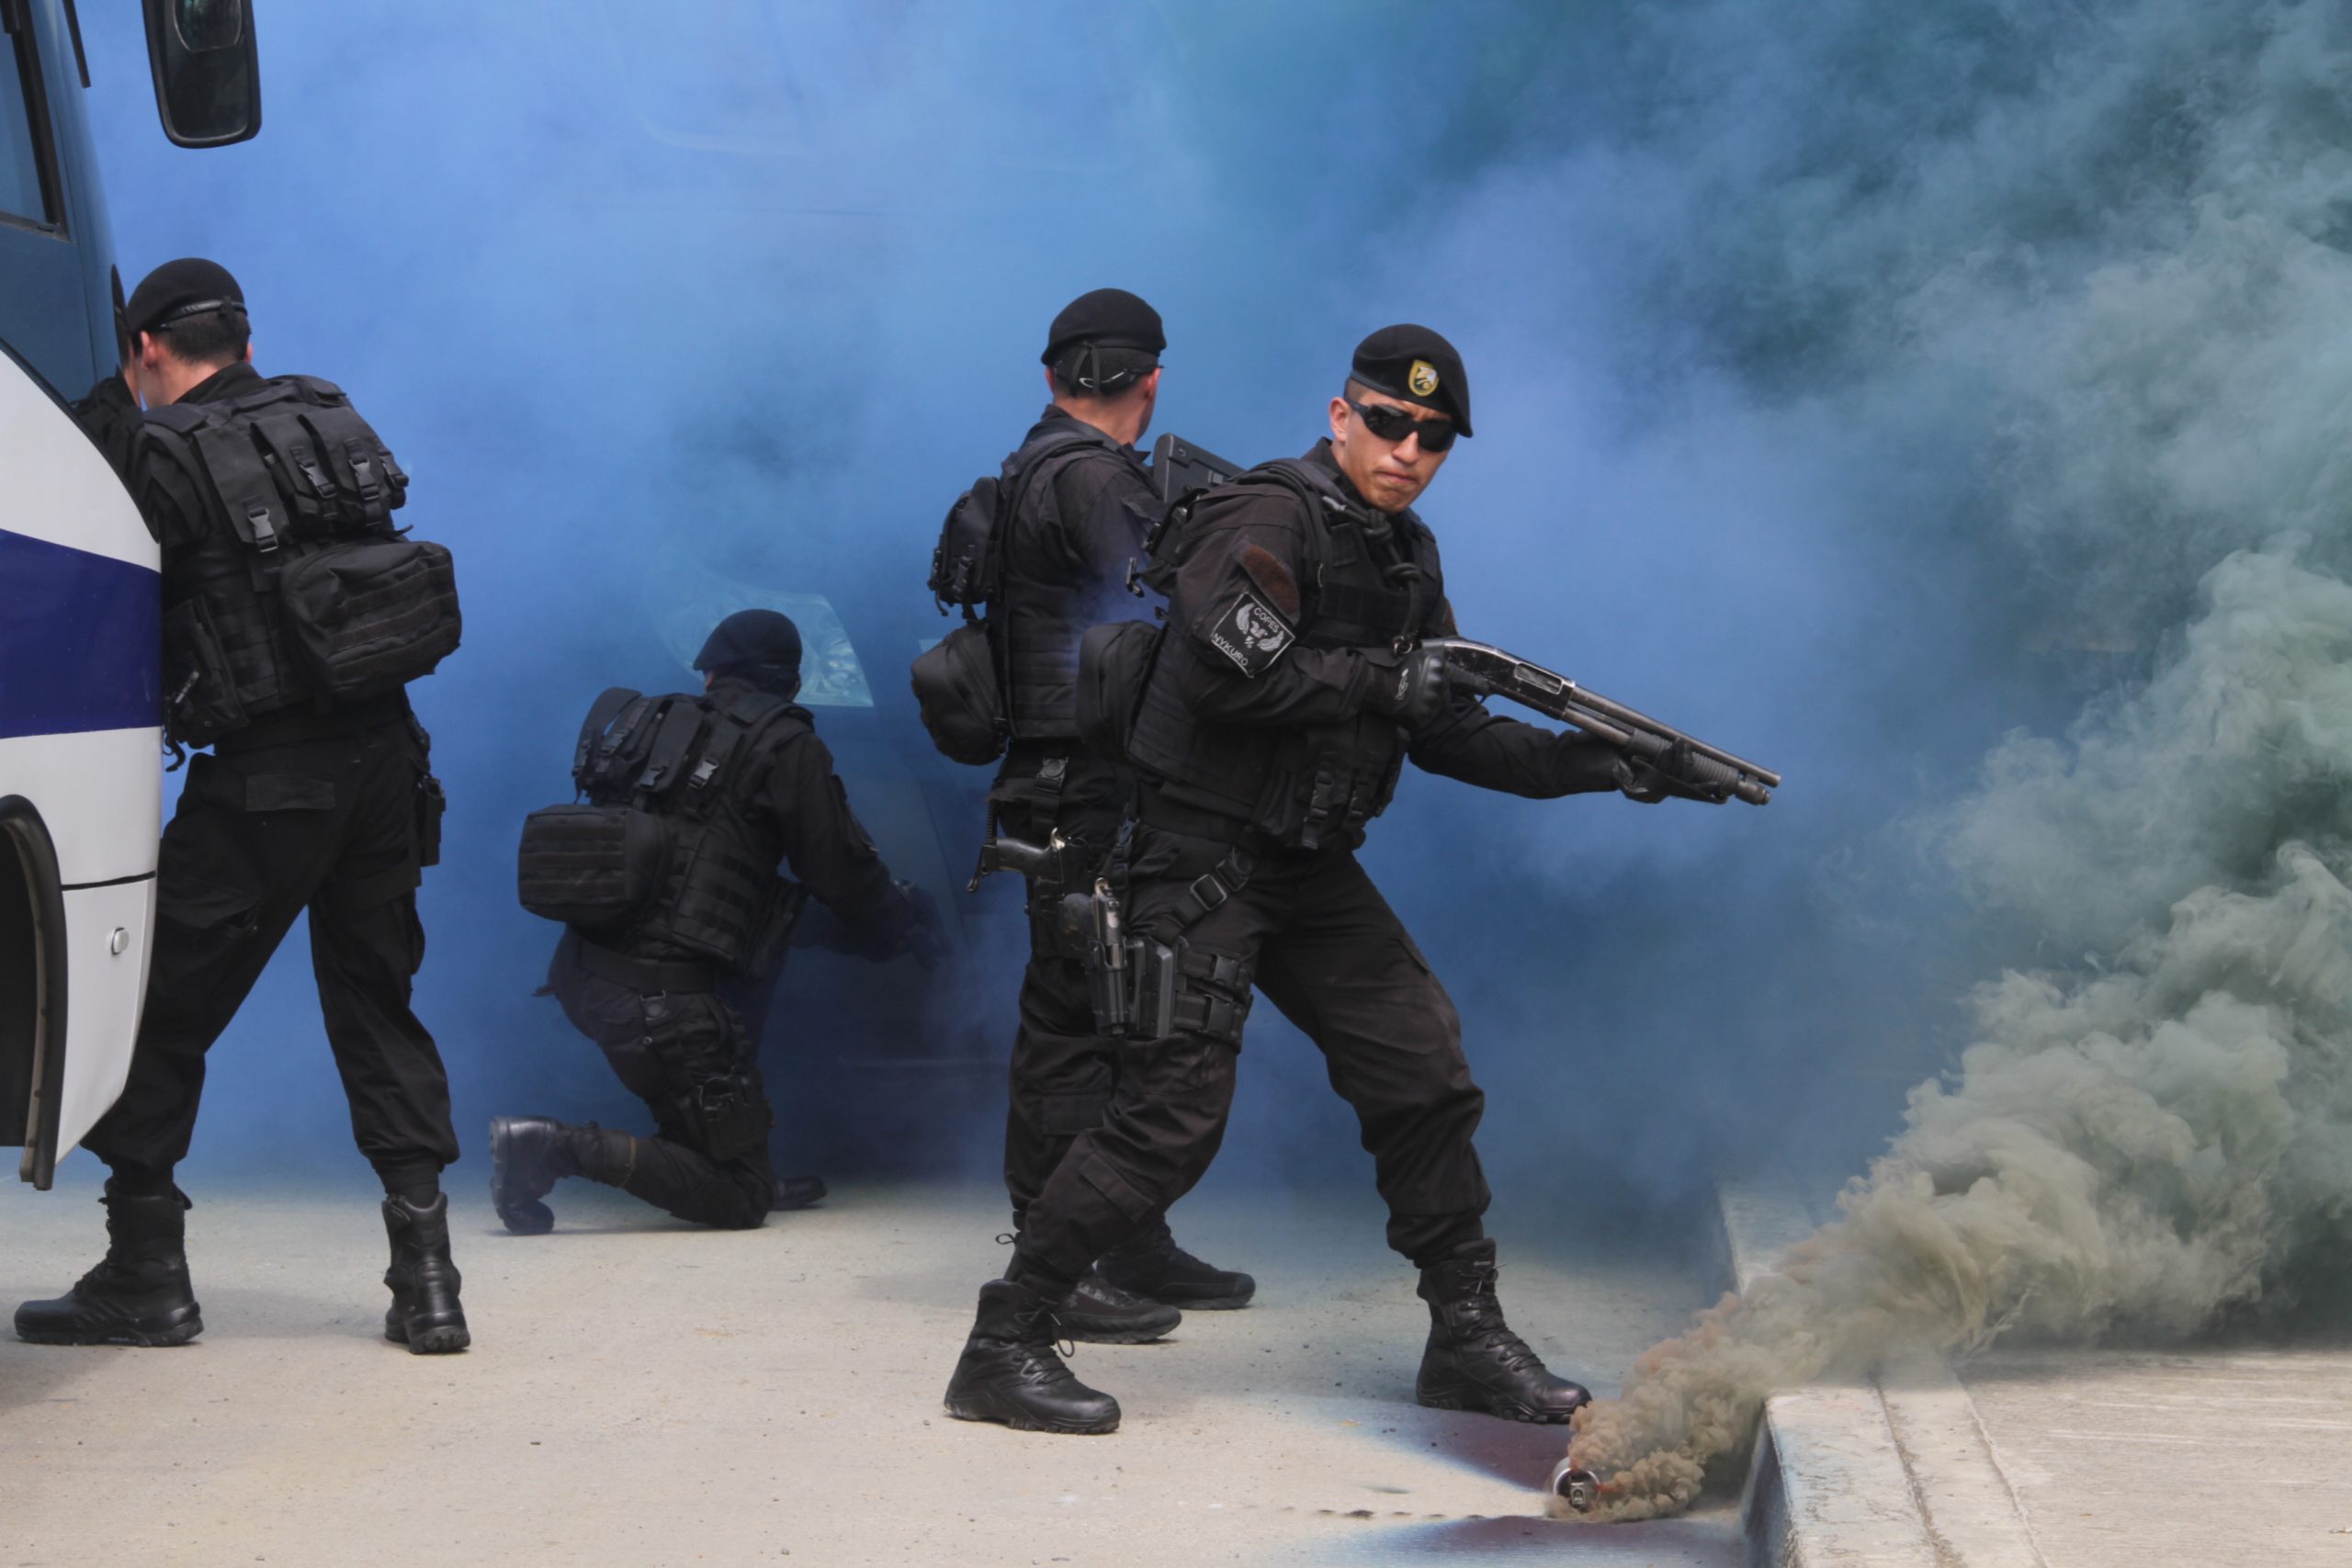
[[1391, 424]]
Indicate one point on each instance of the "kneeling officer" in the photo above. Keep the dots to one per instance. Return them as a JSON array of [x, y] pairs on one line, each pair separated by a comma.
[[666, 879]]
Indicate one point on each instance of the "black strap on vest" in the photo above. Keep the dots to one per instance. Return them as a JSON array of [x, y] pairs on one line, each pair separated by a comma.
[[596, 731], [1379, 531], [1025, 462], [256, 509], [681, 722]]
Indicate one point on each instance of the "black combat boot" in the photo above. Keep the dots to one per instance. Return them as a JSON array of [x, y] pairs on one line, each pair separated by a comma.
[[1473, 1361], [528, 1154], [1009, 1371], [1154, 1267], [1099, 1313], [424, 1314], [138, 1294]]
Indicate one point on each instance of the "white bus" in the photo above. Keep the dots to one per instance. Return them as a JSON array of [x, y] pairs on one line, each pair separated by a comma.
[[80, 788]]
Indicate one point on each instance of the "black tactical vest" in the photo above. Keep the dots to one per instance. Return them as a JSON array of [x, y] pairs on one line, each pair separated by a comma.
[[1043, 611], [1367, 580], [290, 472], [698, 764]]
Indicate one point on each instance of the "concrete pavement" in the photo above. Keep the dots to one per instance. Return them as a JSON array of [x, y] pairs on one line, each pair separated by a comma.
[[642, 1392]]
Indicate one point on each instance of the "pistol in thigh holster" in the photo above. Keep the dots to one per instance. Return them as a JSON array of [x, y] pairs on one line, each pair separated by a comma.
[[726, 1115], [1145, 987], [1092, 926]]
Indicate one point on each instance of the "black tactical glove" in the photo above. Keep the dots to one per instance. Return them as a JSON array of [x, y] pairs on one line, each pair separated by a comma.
[[1667, 774], [1413, 690], [924, 936]]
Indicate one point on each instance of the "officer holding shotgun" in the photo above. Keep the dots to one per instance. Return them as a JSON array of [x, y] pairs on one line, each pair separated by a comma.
[[1289, 685]]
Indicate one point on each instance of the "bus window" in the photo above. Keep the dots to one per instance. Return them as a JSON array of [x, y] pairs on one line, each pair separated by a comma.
[[25, 196]]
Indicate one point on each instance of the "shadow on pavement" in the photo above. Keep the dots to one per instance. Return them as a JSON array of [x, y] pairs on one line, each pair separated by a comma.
[[1516, 1538]]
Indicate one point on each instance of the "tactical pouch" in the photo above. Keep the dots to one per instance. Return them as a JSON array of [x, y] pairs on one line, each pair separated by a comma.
[[966, 568], [1114, 661], [1205, 993], [1155, 990], [598, 866], [204, 703], [727, 1116], [368, 617], [959, 698]]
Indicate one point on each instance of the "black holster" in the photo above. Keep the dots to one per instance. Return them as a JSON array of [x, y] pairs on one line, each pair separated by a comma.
[[726, 1115]]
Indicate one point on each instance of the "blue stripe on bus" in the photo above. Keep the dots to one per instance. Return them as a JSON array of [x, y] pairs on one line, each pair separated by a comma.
[[81, 640]]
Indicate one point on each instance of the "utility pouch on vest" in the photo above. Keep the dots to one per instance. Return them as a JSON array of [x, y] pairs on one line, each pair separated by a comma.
[[965, 567], [959, 698], [205, 704], [597, 866], [1115, 659], [368, 617]]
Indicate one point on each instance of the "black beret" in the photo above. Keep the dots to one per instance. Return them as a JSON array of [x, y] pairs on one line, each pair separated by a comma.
[[1417, 365], [183, 287], [1112, 317], [751, 636]]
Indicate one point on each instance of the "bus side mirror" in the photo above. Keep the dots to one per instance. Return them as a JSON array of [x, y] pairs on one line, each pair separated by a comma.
[[207, 74]]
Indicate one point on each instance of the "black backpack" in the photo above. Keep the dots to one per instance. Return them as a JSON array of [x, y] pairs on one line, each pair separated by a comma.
[[651, 771], [307, 486], [959, 680], [599, 863]]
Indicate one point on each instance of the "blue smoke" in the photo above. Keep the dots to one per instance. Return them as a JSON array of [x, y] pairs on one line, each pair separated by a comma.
[[1766, 309]]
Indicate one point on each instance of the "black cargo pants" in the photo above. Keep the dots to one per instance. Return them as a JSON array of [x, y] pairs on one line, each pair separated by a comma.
[[664, 1047], [1316, 937], [336, 824], [1062, 1071]]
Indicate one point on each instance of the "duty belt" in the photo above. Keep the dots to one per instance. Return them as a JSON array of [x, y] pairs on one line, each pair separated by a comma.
[[300, 725], [648, 975], [1154, 810]]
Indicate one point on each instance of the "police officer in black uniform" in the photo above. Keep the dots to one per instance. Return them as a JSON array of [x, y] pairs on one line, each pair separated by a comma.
[[741, 784], [1286, 696], [1081, 503], [306, 801]]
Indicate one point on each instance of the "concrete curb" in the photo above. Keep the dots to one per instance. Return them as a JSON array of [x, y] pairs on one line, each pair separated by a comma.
[[1899, 1473]]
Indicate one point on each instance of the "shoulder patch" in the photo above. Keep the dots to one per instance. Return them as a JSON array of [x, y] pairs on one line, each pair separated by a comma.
[[1273, 579], [1247, 631]]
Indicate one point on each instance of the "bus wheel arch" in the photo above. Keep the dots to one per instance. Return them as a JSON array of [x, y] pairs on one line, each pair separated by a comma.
[[32, 986]]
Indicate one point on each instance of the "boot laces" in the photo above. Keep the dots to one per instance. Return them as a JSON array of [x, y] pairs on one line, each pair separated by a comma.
[[1506, 1347], [1483, 1327], [105, 1271], [1046, 1323]]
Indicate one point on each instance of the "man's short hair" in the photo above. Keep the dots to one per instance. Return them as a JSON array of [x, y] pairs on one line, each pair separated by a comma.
[[209, 337], [1099, 370]]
